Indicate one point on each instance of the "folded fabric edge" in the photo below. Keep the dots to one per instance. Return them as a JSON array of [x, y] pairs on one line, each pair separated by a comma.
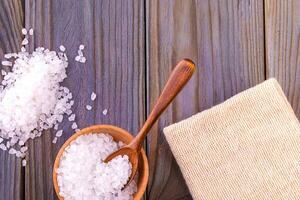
[[271, 82]]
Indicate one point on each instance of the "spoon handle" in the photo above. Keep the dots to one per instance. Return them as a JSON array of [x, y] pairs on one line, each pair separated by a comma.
[[178, 78]]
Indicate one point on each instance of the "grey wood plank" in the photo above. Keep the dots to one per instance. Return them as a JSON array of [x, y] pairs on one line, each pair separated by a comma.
[[282, 25], [113, 35], [11, 23], [226, 40]]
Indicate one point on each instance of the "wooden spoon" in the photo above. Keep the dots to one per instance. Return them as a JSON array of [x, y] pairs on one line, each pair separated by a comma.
[[178, 78]]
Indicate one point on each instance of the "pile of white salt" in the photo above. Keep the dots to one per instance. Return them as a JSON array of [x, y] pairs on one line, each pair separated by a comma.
[[82, 174], [31, 97]]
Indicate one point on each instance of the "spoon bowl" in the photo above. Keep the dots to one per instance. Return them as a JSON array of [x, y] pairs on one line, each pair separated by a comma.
[[118, 134]]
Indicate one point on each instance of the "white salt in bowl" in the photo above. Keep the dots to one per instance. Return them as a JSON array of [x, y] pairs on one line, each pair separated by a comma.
[[119, 135]]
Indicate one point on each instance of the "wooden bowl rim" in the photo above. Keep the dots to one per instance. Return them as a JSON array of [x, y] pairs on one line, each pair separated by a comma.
[[144, 177]]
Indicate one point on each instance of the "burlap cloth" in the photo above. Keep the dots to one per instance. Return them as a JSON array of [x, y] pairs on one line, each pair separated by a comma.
[[245, 148]]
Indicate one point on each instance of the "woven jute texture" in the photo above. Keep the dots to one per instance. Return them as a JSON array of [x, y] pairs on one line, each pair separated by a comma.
[[245, 148]]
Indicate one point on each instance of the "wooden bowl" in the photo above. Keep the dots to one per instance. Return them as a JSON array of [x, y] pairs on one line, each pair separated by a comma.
[[119, 135]]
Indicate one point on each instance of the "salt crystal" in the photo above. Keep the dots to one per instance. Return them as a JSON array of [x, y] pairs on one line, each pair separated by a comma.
[[71, 118], [62, 48], [19, 154], [59, 133], [88, 107], [24, 162], [3, 72], [9, 55], [77, 58], [82, 59], [21, 142], [76, 130], [93, 96], [54, 140], [81, 47], [12, 151], [6, 63], [7, 144], [24, 149], [69, 112], [25, 41], [31, 31], [23, 49], [74, 125], [104, 112], [24, 31], [1, 139], [3, 147]]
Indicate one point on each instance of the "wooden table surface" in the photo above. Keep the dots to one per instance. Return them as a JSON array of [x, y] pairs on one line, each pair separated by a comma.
[[131, 47]]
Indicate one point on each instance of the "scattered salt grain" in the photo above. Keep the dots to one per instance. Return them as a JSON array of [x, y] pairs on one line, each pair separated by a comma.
[[59, 133], [54, 140], [88, 107], [25, 41], [31, 31], [62, 48], [69, 112], [71, 118], [74, 126], [104, 112], [56, 127], [82, 174], [77, 58], [93, 96], [24, 31], [76, 130], [81, 47], [23, 49], [6, 63], [10, 55], [24, 162], [1, 139], [24, 149], [82, 59]]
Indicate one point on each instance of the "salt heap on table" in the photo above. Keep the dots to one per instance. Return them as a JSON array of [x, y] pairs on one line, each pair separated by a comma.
[[32, 99], [82, 174]]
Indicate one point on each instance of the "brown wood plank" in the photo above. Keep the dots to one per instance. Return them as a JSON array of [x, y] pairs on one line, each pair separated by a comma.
[[11, 23], [113, 35], [282, 28], [226, 40]]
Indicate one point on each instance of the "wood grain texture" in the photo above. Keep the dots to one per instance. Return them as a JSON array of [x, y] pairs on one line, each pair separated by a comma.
[[282, 28], [11, 23], [113, 35], [226, 40]]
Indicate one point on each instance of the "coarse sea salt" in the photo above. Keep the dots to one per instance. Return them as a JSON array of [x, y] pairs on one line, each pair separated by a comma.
[[93, 96], [54, 140], [72, 117], [24, 162], [104, 112], [24, 31], [88, 107], [24, 115], [82, 174], [6, 63], [31, 31]]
